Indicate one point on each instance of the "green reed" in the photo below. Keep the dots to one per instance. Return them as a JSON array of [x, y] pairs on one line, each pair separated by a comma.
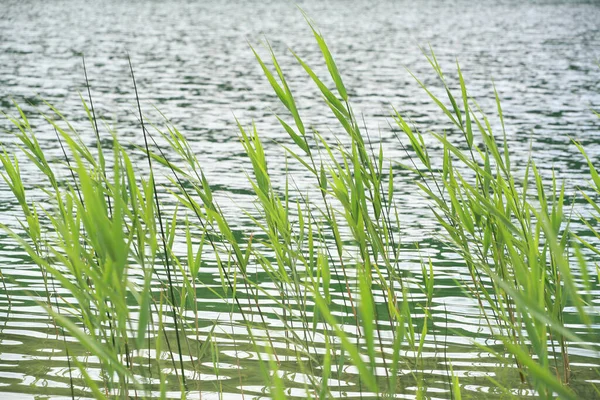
[[105, 236], [509, 228]]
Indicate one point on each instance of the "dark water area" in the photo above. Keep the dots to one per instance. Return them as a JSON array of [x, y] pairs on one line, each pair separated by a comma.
[[193, 63]]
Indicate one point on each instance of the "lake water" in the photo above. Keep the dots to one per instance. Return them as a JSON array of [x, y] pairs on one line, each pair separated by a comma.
[[193, 62]]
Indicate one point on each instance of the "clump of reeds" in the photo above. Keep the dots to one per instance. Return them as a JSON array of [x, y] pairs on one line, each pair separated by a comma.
[[105, 238]]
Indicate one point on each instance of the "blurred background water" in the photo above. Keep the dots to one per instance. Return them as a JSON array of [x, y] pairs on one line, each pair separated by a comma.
[[193, 63]]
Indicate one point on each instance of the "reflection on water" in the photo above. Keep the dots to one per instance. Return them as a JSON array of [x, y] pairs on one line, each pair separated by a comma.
[[193, 63]]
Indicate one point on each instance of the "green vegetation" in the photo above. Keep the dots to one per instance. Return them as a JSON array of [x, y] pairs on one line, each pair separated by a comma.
[[340, 306]]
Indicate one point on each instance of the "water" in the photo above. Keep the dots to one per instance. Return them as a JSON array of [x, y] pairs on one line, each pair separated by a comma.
[[192, 62]]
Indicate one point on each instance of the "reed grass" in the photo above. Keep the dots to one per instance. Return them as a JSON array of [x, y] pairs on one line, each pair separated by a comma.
[[106, 238]]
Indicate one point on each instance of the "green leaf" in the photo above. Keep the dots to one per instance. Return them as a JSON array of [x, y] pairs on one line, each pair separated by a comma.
[[295, 137]]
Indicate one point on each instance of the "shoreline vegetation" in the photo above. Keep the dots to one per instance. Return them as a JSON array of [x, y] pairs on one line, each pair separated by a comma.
[[341, 308]]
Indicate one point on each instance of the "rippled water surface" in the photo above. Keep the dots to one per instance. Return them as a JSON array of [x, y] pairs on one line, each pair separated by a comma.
[[192, 62]]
